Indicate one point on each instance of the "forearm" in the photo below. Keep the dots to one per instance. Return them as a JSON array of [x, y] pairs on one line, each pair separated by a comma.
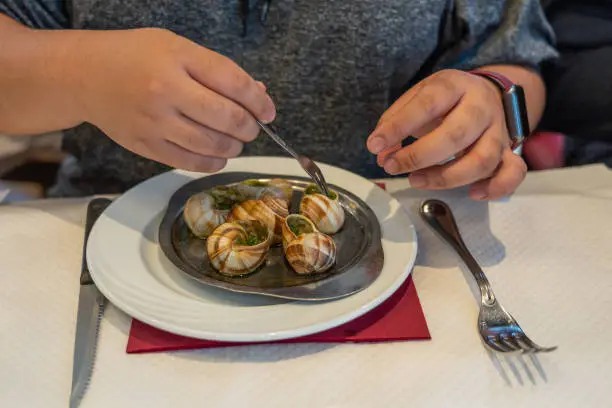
[[36, 85], [533, 85]]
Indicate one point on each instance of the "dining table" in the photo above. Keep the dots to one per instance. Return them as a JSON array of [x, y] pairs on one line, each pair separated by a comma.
[[547, 250]]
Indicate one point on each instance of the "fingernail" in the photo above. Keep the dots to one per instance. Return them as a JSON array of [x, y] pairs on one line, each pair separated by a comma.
[[270, 114], [261, 85], [418, 180], [376, 145], [392, 166], [479, 194]]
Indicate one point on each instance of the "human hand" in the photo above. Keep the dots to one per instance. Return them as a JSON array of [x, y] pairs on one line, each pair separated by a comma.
[[166, 98], [451, 113]]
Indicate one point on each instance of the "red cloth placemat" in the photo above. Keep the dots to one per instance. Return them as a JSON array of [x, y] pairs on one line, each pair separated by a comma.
[[399, 318]]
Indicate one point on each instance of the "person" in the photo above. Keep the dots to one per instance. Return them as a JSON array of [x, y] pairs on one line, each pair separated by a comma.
[[377, 88], [576, 124]]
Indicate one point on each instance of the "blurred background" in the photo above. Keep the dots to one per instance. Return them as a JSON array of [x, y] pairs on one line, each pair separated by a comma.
[[28, 164]]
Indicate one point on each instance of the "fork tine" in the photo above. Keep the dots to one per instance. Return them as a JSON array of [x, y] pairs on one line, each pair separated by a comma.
[[497, 345], [312, 173], [519, 337], [493, 346], [319, 174], [316, 173], [537, 348], [509, 341]]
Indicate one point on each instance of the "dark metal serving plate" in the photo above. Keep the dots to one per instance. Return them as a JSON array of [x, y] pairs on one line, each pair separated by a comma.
[[359, 261]]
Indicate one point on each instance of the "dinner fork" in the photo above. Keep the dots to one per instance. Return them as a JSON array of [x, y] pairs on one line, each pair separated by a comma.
[[497, 328], [307, 164]]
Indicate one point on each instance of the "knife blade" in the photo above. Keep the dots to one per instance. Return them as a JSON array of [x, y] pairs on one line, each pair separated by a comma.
[[89, 314]]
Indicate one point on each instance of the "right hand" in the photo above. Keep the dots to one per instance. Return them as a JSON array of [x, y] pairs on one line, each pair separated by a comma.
[[168, 99]]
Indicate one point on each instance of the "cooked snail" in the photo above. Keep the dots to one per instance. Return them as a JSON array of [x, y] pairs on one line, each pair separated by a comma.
[[240, 223], [311, 252], [270, 211], [256, 189], [279, 188], [203, 213], [227, 196], [325, 212], [239, 247], [293, 226]]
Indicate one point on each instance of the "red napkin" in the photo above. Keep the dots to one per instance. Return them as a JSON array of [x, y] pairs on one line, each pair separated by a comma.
[[400, 317]]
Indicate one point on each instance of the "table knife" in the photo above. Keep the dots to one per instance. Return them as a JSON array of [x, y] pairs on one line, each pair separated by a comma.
[[89, 314]]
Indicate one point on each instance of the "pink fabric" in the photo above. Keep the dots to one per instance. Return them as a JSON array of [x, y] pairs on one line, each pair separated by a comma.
[[399, 318], [544, 150]]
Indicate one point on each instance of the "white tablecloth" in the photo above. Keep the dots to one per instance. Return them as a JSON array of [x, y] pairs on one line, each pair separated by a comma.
[[546, 250]]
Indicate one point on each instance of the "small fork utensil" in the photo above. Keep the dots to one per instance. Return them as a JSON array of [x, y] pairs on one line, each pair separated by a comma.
[[307, 164], [497, 328]]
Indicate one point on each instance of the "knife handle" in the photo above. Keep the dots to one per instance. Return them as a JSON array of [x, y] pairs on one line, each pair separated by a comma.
[[94, 209]]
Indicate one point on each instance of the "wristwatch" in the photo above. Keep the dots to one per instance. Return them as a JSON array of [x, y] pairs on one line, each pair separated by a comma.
[[515, 107]]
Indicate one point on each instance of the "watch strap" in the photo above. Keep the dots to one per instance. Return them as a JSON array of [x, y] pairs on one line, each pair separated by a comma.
[[515, 106]]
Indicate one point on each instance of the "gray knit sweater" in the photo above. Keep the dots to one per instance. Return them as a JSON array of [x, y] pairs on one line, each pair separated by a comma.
[[331, 66]]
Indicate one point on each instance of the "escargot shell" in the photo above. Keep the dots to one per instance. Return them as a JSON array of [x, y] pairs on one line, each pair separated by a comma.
[[279, 188], [270, 211], [256, 189], [325, 212], [202, 215], [294, 225], [312, 252], [238, 248]]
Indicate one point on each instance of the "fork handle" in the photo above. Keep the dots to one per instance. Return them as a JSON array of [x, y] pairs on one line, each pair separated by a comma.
[[279, 141], [440, 218]]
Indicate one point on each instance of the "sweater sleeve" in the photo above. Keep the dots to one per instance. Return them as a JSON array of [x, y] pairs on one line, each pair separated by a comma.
[[475, 33], [42, 14]]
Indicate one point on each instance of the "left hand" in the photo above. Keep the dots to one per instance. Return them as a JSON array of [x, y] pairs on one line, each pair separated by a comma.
[[451, 113]]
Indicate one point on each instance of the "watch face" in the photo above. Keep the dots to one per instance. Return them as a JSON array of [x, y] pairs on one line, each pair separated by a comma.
[[515, 109]]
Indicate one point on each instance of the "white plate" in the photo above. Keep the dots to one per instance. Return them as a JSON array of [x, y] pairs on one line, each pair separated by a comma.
[[131, 270]]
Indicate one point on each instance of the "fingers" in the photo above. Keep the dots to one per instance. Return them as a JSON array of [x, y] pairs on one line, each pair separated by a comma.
[[216, 112], [175, 156], [504, 182], [461, 128], [202, 140], [382, 156], [480, 162], [401, 102], [435, 97], [226, 78]]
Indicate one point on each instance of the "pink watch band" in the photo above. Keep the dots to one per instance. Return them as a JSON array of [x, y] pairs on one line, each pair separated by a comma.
[[515, 107]]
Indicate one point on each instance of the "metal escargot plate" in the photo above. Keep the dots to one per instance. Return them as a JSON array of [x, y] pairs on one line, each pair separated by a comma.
[[358, 263]]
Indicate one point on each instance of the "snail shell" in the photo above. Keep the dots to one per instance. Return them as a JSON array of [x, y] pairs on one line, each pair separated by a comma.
[[238, 248], [326, 213], [312, 252], [280, 188], [256, 189], [270, 211], [202, 215], [294, 225]]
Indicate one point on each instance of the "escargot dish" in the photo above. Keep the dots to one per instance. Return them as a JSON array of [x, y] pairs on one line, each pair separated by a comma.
[[311, 252], [270, 211], [239, 247], [203, 213], [325, 212]]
